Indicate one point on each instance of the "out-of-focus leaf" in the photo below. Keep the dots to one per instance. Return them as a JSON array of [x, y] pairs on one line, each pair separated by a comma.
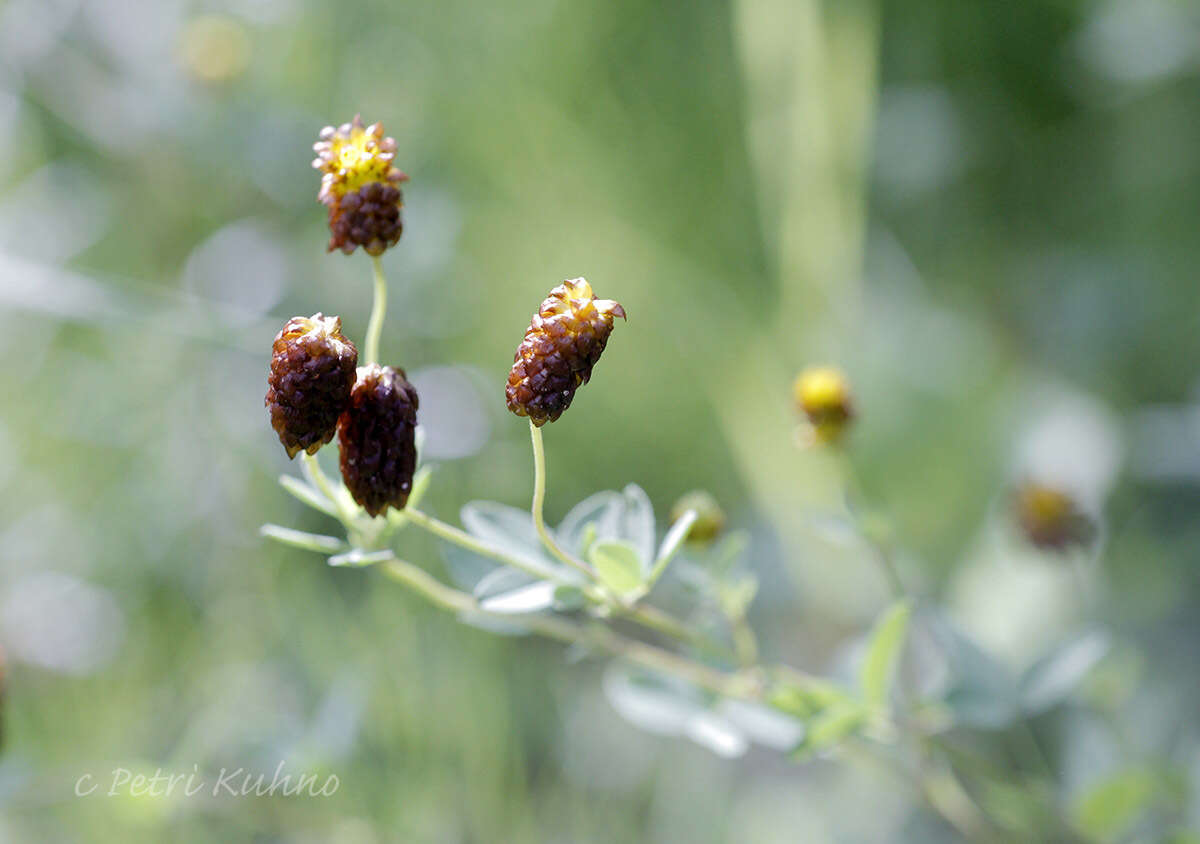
[[467, 568], [617, 565], [533, 597], [981, 691], [571, 531], [671, 543], [763, 725], [357, 558], [1052, 678], [569, 598], [637, 523], [1107, 809], [883, 653], [806, 701], [671, 708], [831, 727], [305, 494], [510, 591], [736, 596], [300, 539], [625, 516]]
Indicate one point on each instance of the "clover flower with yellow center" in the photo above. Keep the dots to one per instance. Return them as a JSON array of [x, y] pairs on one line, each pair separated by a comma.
[[822, 394], [359, 185]]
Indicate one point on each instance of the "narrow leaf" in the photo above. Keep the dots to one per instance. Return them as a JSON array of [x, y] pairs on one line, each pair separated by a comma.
[[357, 558], [1051, 679], [300, 539], [883, 653], [305, 494], [671, 544]]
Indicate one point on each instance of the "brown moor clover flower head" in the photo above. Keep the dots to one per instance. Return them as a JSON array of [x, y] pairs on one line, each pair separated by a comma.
[[312, 371], [377, 435], [564, 341], [1050, 518], [359, 184], [823, 395]]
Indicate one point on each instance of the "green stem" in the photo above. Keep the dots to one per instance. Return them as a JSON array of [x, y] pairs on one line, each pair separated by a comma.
[[378, 312], [598, 637], [883, 554], [539, 498]]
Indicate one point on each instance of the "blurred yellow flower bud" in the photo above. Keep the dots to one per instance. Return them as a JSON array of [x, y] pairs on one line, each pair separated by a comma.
[[710, 518], [823, 395]]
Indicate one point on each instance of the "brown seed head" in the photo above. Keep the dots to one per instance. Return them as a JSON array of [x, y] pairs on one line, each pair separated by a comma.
[[377, 435], [561, 346], [312, 371]]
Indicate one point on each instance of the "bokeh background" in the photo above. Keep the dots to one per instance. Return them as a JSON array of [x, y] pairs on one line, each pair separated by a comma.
[[985, 212]]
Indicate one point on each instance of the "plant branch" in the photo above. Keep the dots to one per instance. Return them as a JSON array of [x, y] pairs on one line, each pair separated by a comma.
[[562, 630]]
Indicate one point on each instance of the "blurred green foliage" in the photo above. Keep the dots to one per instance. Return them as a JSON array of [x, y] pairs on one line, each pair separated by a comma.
[[985, 212]]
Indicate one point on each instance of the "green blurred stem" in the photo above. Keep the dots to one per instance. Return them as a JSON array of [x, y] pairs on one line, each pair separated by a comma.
[[595, 636], [539, 499], [857, 502], [378, 312]]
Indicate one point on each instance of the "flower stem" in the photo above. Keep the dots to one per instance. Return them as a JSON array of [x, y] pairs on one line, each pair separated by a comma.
[[378, 312], [539, 499]]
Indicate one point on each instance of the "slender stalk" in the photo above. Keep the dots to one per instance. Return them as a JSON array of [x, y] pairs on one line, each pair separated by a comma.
[[562, 630], [378, 312], [883, 554], [539, 498]]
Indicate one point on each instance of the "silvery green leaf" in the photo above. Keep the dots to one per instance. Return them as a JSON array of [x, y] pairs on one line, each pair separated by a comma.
[[500, 580], [763, 725], [305, 494], [617, 565], [981, 691], [357, 557], [1052, 678], [512, 531], [653, 706], [637, 523], [626, 516], [667, 707], [467, 568], [533, 597], [1108, 809], [883, 653], [571, 531], [717, 734], [300, 539], [510, 591]]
